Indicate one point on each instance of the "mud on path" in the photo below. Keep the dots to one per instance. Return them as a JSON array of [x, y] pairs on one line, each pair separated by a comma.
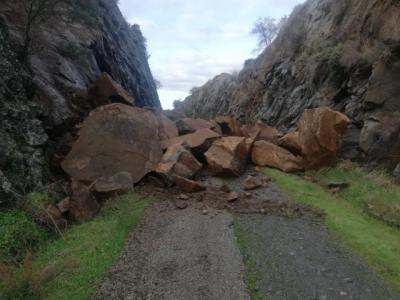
[[192, 253]]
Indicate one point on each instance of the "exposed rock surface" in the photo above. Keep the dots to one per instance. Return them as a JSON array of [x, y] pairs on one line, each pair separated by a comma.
[[115, 138], [343, 54], [268, 154], [44, 97]]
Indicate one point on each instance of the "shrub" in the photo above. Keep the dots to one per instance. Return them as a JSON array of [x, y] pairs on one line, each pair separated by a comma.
[[18, 236]]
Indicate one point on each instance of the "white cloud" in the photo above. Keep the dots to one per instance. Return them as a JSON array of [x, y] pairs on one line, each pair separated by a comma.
[[192, 41]]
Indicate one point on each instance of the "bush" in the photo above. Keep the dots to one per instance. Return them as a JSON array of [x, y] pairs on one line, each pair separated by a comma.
[[18, 236]]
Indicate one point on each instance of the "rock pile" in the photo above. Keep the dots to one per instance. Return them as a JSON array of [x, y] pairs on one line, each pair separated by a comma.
[[120, 145]]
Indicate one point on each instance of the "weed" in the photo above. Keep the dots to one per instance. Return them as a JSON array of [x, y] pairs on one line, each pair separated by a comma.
[[18, 236], [251, 276]]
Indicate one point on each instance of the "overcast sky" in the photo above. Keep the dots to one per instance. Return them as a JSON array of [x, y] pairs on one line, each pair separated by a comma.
[[192, 41]]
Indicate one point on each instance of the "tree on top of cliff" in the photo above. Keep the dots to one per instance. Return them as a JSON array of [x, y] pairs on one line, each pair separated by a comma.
[[266, 30]]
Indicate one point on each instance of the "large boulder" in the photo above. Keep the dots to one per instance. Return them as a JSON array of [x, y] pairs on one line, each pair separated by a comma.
[[119, 183], [261, 131], [321, 133], [291, 142], [268, 133], [228, 156], [105, 91], [177, 160], [189, 125], [229, 125], [115, 138], [268, 154]]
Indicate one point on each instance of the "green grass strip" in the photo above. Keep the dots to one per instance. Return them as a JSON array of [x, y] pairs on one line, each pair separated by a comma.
[[73, 268], [250, 266]]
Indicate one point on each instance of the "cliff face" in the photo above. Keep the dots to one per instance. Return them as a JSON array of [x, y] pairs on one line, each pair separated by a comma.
[[43, 97], [339, 53]]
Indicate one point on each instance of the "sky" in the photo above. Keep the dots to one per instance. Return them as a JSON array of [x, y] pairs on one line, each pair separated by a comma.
[[190, 42]]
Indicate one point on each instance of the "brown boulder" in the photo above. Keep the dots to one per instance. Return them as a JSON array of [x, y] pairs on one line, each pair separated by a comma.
[[189, 186], [260, 131], [115, 138], [291, 142], [189, 125], [227, 156], [229, 125], [268, 133], [167, 127], [268, 154], [83, 206], [121, 182], [202, 138], [320, 134], [177, 160], [105, 91]]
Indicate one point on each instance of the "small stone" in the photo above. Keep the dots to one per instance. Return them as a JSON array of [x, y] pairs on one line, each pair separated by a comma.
[[205, 212], [342, 293], [181, 204], [248, 194], [251, 183], [257, 169], [225, 188], [262, 210], [232, 197], [184, 197]]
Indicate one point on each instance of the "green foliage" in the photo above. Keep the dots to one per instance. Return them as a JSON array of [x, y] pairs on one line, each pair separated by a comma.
[[87, 11], [374, 240], [250, 266], [18, 236], [72, 267], [331, 57]]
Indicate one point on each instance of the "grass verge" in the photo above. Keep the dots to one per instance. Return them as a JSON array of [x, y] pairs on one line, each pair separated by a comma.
[[250, 266], [72, 268], [377, 242]]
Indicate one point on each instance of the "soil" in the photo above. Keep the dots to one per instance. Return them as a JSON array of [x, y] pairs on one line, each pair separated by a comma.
[[185, 248]]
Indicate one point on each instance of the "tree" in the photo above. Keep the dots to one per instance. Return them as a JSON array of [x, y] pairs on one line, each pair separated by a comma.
[[36, 13], [266, 30], [158, 83]]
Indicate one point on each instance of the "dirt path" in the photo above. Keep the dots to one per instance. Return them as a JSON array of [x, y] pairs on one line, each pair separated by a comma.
[[188, 254]]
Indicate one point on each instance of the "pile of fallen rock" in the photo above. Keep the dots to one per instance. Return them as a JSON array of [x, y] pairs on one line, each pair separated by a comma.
[[119, 145]]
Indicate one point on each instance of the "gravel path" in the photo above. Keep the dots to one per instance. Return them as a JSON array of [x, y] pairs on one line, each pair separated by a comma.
[[188, 254], [178, 255], [300, 259]]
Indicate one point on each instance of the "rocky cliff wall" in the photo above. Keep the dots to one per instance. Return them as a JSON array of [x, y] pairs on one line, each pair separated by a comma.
[[339, 53], [43, 97]]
